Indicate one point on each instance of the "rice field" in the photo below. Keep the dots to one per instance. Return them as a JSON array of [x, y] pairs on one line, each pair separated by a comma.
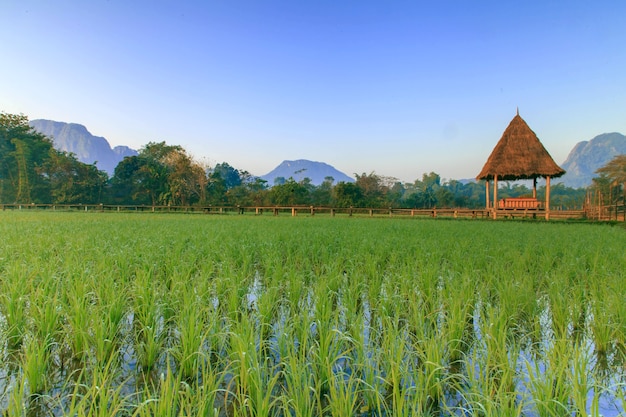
[[106, 314]]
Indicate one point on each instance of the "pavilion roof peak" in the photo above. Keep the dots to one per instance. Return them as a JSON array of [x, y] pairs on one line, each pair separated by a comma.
[[519, 155]]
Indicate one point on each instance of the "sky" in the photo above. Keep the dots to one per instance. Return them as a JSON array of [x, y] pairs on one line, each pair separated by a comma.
[[395, 88]]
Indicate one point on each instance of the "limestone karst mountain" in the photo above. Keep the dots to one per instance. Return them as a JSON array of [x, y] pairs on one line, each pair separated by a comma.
[[303, 168], [75, 138], [587, 156]]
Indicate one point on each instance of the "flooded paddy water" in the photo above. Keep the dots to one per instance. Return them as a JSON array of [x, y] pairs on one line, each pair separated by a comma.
[[108, 314]]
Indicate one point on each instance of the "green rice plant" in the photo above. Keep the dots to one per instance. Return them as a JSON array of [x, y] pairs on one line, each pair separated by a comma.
[[501, 351], [603, 330], [192, 324], [298, 392], [104, 395], [200, 398], [255, 380], [46, 312], [326, 347], [429, 375], [395, 368], [457, 328], [480, 393], [14, 296], [161, 398], [344, 397], [109, 313], [35, 362], [78, 312], [548, 382], [16, 403], [149, 325], [583, 383], [267, 306]]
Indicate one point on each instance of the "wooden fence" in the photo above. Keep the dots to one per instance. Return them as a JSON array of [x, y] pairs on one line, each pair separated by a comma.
[[331, 211]]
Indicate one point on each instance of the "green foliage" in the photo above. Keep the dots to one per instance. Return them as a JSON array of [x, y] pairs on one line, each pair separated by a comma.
[[32, 171], [612, 180]]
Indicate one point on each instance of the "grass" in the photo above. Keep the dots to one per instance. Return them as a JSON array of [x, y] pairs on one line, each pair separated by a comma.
[[156, 314]]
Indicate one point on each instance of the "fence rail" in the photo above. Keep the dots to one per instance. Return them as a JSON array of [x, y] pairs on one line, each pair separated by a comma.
[[332, 211]]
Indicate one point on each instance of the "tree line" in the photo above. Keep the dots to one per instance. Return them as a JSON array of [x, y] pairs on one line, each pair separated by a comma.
[[33, 171]]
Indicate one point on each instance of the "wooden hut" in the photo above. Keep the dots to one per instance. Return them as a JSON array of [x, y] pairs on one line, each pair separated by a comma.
[[519, 155]]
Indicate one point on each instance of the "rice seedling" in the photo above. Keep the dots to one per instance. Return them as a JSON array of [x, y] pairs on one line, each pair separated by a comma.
[[254, 381], [548, 381], [148, 322], [191, 324], [161, 398], [78, 305], [584, 389], [13, 306], [35, 362], [298, 392], [482, 395], [16, 403], [238, 315]]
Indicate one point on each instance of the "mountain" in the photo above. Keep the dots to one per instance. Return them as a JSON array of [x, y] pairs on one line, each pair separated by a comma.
[[587, 156], [302, 168], [75, 138]]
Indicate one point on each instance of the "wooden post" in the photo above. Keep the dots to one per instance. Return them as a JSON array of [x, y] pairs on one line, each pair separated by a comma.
[[548, 197], [495, 196], [487, 194], [293, 212], [535, 187]]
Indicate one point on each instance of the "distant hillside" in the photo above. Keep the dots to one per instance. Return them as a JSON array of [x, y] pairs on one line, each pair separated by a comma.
[[302, 168], [587, 156], [75, 138]]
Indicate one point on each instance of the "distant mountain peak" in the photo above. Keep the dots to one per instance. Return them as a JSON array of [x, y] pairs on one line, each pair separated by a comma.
[[589, 155], [300, 169], [76, 139]]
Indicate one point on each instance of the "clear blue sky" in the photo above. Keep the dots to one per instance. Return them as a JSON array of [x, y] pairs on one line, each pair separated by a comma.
[[398, 88]]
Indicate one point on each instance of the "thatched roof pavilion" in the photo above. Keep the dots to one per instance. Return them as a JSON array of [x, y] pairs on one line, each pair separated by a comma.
[[519, 155]]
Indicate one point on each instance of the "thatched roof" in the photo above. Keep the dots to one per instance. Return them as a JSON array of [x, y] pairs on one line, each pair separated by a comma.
[[519, 155]]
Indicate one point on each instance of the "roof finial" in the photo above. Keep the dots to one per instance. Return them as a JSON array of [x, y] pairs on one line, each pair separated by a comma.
[[518, 110]]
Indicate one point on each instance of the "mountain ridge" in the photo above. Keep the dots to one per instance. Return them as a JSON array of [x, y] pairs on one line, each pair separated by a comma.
[[300, 169], [89, 149], [589, 155]]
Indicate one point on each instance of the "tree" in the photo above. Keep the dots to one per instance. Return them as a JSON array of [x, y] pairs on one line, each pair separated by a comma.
[[161, 174], [322, 194], [615, 172], [228, 174], [291, 193], [347, 194], [72, 181], [33, 171], [372, 189]]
